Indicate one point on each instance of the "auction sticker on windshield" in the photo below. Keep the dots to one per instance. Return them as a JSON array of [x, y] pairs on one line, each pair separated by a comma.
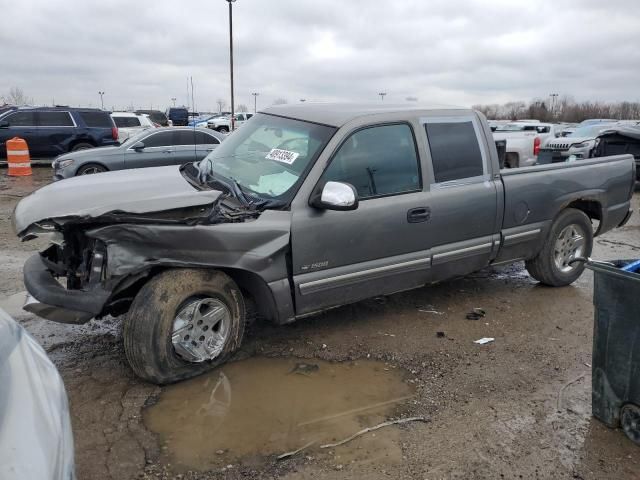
[[284, 156]]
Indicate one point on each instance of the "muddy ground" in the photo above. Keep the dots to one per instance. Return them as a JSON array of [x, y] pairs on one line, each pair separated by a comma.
[[495, 411]]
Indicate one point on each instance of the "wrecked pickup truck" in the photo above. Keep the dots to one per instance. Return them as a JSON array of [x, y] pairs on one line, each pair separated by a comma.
[[305, 208]]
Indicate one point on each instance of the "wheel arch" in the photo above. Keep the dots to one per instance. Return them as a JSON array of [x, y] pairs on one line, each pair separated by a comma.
[[590, 207], [253, 287], [75, 142]]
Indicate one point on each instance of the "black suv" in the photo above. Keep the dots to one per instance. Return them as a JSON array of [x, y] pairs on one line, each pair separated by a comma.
[[179, 116], [51, 131]]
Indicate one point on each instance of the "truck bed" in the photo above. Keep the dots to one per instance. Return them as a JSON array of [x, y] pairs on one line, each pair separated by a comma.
[[534, 195]]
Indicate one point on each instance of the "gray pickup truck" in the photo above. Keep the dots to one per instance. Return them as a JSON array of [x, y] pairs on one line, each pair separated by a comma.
[[305, 208]]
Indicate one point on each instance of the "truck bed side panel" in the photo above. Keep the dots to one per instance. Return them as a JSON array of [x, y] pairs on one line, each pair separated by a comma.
[[535, 195]]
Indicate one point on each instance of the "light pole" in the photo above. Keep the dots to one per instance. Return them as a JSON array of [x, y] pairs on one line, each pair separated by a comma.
[[382, 94], [101, 100], [173, 99], [230, 2], [255, 102], [553, 96]]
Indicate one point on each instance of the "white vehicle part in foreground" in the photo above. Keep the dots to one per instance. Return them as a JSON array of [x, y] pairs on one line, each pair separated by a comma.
[[36, 441]]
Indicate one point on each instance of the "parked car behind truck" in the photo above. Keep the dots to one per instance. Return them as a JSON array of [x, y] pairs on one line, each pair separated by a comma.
[[305, 208], [149, 148], [523, 141], [178, 116], [51, 131], [576, 146]]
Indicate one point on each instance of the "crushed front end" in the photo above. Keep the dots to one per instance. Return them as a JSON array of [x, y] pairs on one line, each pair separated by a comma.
[[66, 281]]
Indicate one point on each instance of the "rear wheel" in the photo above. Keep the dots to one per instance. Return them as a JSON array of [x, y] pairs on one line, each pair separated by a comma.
[[630, 421], [90, 169], [182, 323], [570, 237], [81, 146], [223, 129]]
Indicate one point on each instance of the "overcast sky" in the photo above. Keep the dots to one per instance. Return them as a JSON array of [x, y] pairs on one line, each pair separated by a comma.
[[452, 52]]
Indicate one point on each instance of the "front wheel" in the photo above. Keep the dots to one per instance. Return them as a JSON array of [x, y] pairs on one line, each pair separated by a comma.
[[223, 129], [570, 238], [182, 323], [90, 169]]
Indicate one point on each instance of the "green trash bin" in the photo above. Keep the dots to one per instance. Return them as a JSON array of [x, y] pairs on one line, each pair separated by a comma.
[[616, 347]]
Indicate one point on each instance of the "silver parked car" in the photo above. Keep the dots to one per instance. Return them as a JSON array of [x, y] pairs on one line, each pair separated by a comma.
[[149, 148]]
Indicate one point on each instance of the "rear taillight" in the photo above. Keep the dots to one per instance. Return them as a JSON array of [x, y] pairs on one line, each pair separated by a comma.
[[536, 146], [114, 133]]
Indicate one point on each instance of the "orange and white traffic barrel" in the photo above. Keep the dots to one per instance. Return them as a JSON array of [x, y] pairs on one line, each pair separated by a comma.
[[18, 157]]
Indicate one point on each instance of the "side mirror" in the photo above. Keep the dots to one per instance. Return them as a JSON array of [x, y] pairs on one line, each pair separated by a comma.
[[4, 124], [138, 146], [335, 196]]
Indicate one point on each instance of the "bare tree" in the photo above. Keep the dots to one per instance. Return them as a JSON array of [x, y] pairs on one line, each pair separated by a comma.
[[16, 96], [221, 104], [242, 108], [280, 101], [566, 109], [514, 110]]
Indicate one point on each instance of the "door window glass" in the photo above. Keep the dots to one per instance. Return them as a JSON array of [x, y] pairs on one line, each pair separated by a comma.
[[162, 139], [455, 151], [184, 137], [127, 122], [205, 139], [21, 119], [97, 119], [377, 161], [55, 119]]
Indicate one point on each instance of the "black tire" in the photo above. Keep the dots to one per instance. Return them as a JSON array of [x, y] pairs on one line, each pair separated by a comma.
[[149, 324], [90, 169], [543, 267], [81, 146], [223, 129], [630, 421]]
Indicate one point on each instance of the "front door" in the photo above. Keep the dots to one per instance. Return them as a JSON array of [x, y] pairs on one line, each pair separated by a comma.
[[21, 124], [158, 151], [381, 247]]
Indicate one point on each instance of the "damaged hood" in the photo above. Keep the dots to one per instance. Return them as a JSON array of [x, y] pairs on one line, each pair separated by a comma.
[[142, 190]]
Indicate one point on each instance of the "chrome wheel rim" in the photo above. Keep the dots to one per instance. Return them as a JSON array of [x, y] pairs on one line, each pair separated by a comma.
[[201, 329], [570, 245], [91, 171]]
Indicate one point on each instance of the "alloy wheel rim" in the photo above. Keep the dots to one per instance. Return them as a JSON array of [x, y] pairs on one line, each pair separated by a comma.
[[201, 329], [91, 171], [570, 244]]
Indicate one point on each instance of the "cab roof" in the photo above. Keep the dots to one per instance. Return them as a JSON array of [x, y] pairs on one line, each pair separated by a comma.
[[338, 114]]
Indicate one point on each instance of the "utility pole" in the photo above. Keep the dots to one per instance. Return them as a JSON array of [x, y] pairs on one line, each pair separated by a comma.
[[255, 102], [173, 99], [230, 2], [101, 99], [382, 94]]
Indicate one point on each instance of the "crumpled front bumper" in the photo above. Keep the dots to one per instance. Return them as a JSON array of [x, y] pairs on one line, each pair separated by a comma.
[[50, 300]]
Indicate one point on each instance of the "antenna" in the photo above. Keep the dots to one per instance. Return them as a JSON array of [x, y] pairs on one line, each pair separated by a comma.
[[193, 107]]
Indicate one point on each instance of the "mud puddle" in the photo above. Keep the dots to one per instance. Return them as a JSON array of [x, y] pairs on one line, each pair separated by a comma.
[[255, 409]]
